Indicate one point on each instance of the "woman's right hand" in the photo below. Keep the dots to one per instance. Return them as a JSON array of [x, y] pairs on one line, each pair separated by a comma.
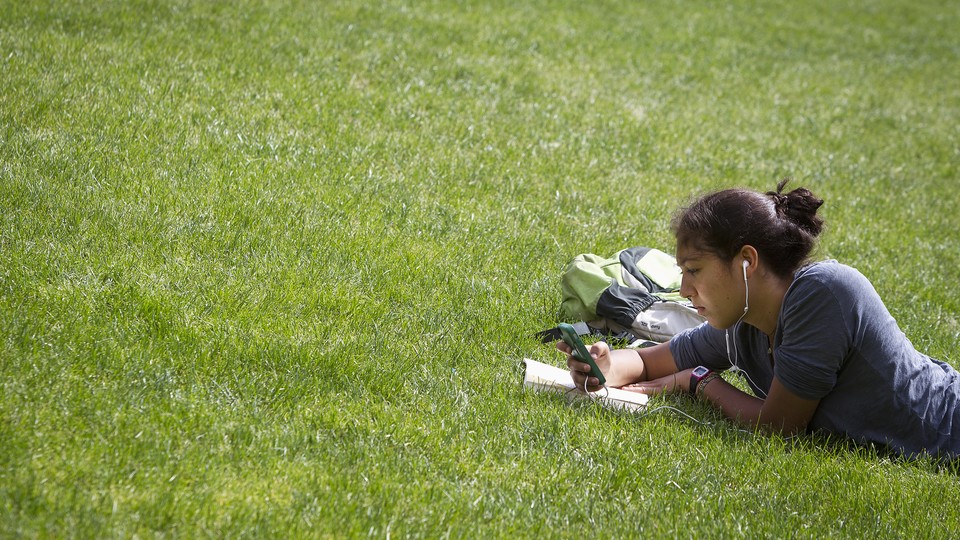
[[580, 371]]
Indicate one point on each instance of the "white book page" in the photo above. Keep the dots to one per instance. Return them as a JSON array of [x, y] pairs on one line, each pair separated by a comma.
[[544, 377]]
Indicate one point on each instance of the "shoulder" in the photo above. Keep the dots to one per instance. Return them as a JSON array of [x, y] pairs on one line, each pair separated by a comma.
[[827, 270], [818, 327], [840, 280], [831, 293]]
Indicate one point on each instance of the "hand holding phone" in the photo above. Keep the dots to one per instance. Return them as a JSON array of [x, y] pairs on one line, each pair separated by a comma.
[[580, 352]]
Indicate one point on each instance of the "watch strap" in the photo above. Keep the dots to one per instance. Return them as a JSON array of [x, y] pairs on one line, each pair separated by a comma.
[[697, 375]]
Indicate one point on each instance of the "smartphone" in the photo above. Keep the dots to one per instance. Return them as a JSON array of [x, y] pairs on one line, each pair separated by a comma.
[[580, 352]]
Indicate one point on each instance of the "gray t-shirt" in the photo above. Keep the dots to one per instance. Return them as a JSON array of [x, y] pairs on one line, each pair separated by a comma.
[[836, 342]]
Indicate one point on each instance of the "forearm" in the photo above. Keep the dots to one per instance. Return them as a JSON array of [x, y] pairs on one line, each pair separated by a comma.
[[626, 367], [733, 402], [630, 366], [781, 411]]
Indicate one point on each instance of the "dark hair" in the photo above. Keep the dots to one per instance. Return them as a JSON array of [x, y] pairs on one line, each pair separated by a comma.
[[782, 228]]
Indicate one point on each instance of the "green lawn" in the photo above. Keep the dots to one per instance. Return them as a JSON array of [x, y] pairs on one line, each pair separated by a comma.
[[268, 269]]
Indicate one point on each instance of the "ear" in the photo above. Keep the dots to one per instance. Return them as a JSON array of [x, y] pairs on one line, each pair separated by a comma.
[[750, 259]]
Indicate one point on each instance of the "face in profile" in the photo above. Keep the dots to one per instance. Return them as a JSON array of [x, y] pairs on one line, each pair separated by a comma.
[[715, 287]]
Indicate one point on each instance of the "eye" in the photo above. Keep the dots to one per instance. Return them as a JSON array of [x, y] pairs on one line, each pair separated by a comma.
[[691, 271]]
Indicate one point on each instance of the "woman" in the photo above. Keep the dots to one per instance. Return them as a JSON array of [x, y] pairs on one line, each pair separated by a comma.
[[819, 348]]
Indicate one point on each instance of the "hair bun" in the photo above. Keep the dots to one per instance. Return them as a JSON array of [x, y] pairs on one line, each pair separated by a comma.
[[799, 207], [780, 202]]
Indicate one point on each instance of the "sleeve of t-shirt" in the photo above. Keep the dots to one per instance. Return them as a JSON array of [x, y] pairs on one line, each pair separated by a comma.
[[701, 345], [815, 339]]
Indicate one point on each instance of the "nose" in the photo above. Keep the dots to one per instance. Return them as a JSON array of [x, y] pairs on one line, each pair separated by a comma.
[[686, 290]]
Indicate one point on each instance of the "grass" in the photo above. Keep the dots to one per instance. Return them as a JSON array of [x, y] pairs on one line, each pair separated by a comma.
[[268, 268]]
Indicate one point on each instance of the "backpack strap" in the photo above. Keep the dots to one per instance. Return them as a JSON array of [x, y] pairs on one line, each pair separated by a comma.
[[553, 334], [624, 338]]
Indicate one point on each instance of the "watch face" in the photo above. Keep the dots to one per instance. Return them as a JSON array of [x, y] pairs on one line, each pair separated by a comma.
[[700, 371]]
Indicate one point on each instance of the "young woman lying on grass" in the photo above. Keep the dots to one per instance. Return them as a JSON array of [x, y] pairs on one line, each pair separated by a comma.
[[819, 348]]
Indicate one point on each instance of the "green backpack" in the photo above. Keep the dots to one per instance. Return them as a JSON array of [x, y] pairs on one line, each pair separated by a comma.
[[634, 295]]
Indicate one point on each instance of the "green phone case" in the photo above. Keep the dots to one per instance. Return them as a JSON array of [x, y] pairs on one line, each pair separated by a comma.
[[580, 352]]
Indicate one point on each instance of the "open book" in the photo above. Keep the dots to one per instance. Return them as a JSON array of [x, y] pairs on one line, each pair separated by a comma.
[[546, 378]]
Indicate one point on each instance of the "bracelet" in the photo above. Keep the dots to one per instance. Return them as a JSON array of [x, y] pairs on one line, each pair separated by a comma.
[[702, 385]]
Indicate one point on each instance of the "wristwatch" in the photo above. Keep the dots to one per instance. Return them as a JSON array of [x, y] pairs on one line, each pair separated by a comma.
[[697, 375]]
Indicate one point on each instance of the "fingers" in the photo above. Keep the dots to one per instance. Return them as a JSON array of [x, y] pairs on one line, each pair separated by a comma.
[[580, 371], [573, 363], [664, 385], [598, 349], [576, 365], [646, 387]]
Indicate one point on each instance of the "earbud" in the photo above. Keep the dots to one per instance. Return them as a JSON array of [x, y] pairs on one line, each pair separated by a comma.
[[746, 286]]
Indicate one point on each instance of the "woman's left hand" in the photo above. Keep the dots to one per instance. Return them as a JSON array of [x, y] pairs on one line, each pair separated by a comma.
[[674, 383]]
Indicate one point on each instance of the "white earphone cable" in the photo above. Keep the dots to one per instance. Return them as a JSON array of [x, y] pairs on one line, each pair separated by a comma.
[[736, 355]]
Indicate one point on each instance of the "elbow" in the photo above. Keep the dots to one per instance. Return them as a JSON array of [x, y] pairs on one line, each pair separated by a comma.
[[784, 426]]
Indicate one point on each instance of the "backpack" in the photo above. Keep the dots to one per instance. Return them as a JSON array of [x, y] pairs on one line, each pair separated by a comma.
[[633, 295]]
